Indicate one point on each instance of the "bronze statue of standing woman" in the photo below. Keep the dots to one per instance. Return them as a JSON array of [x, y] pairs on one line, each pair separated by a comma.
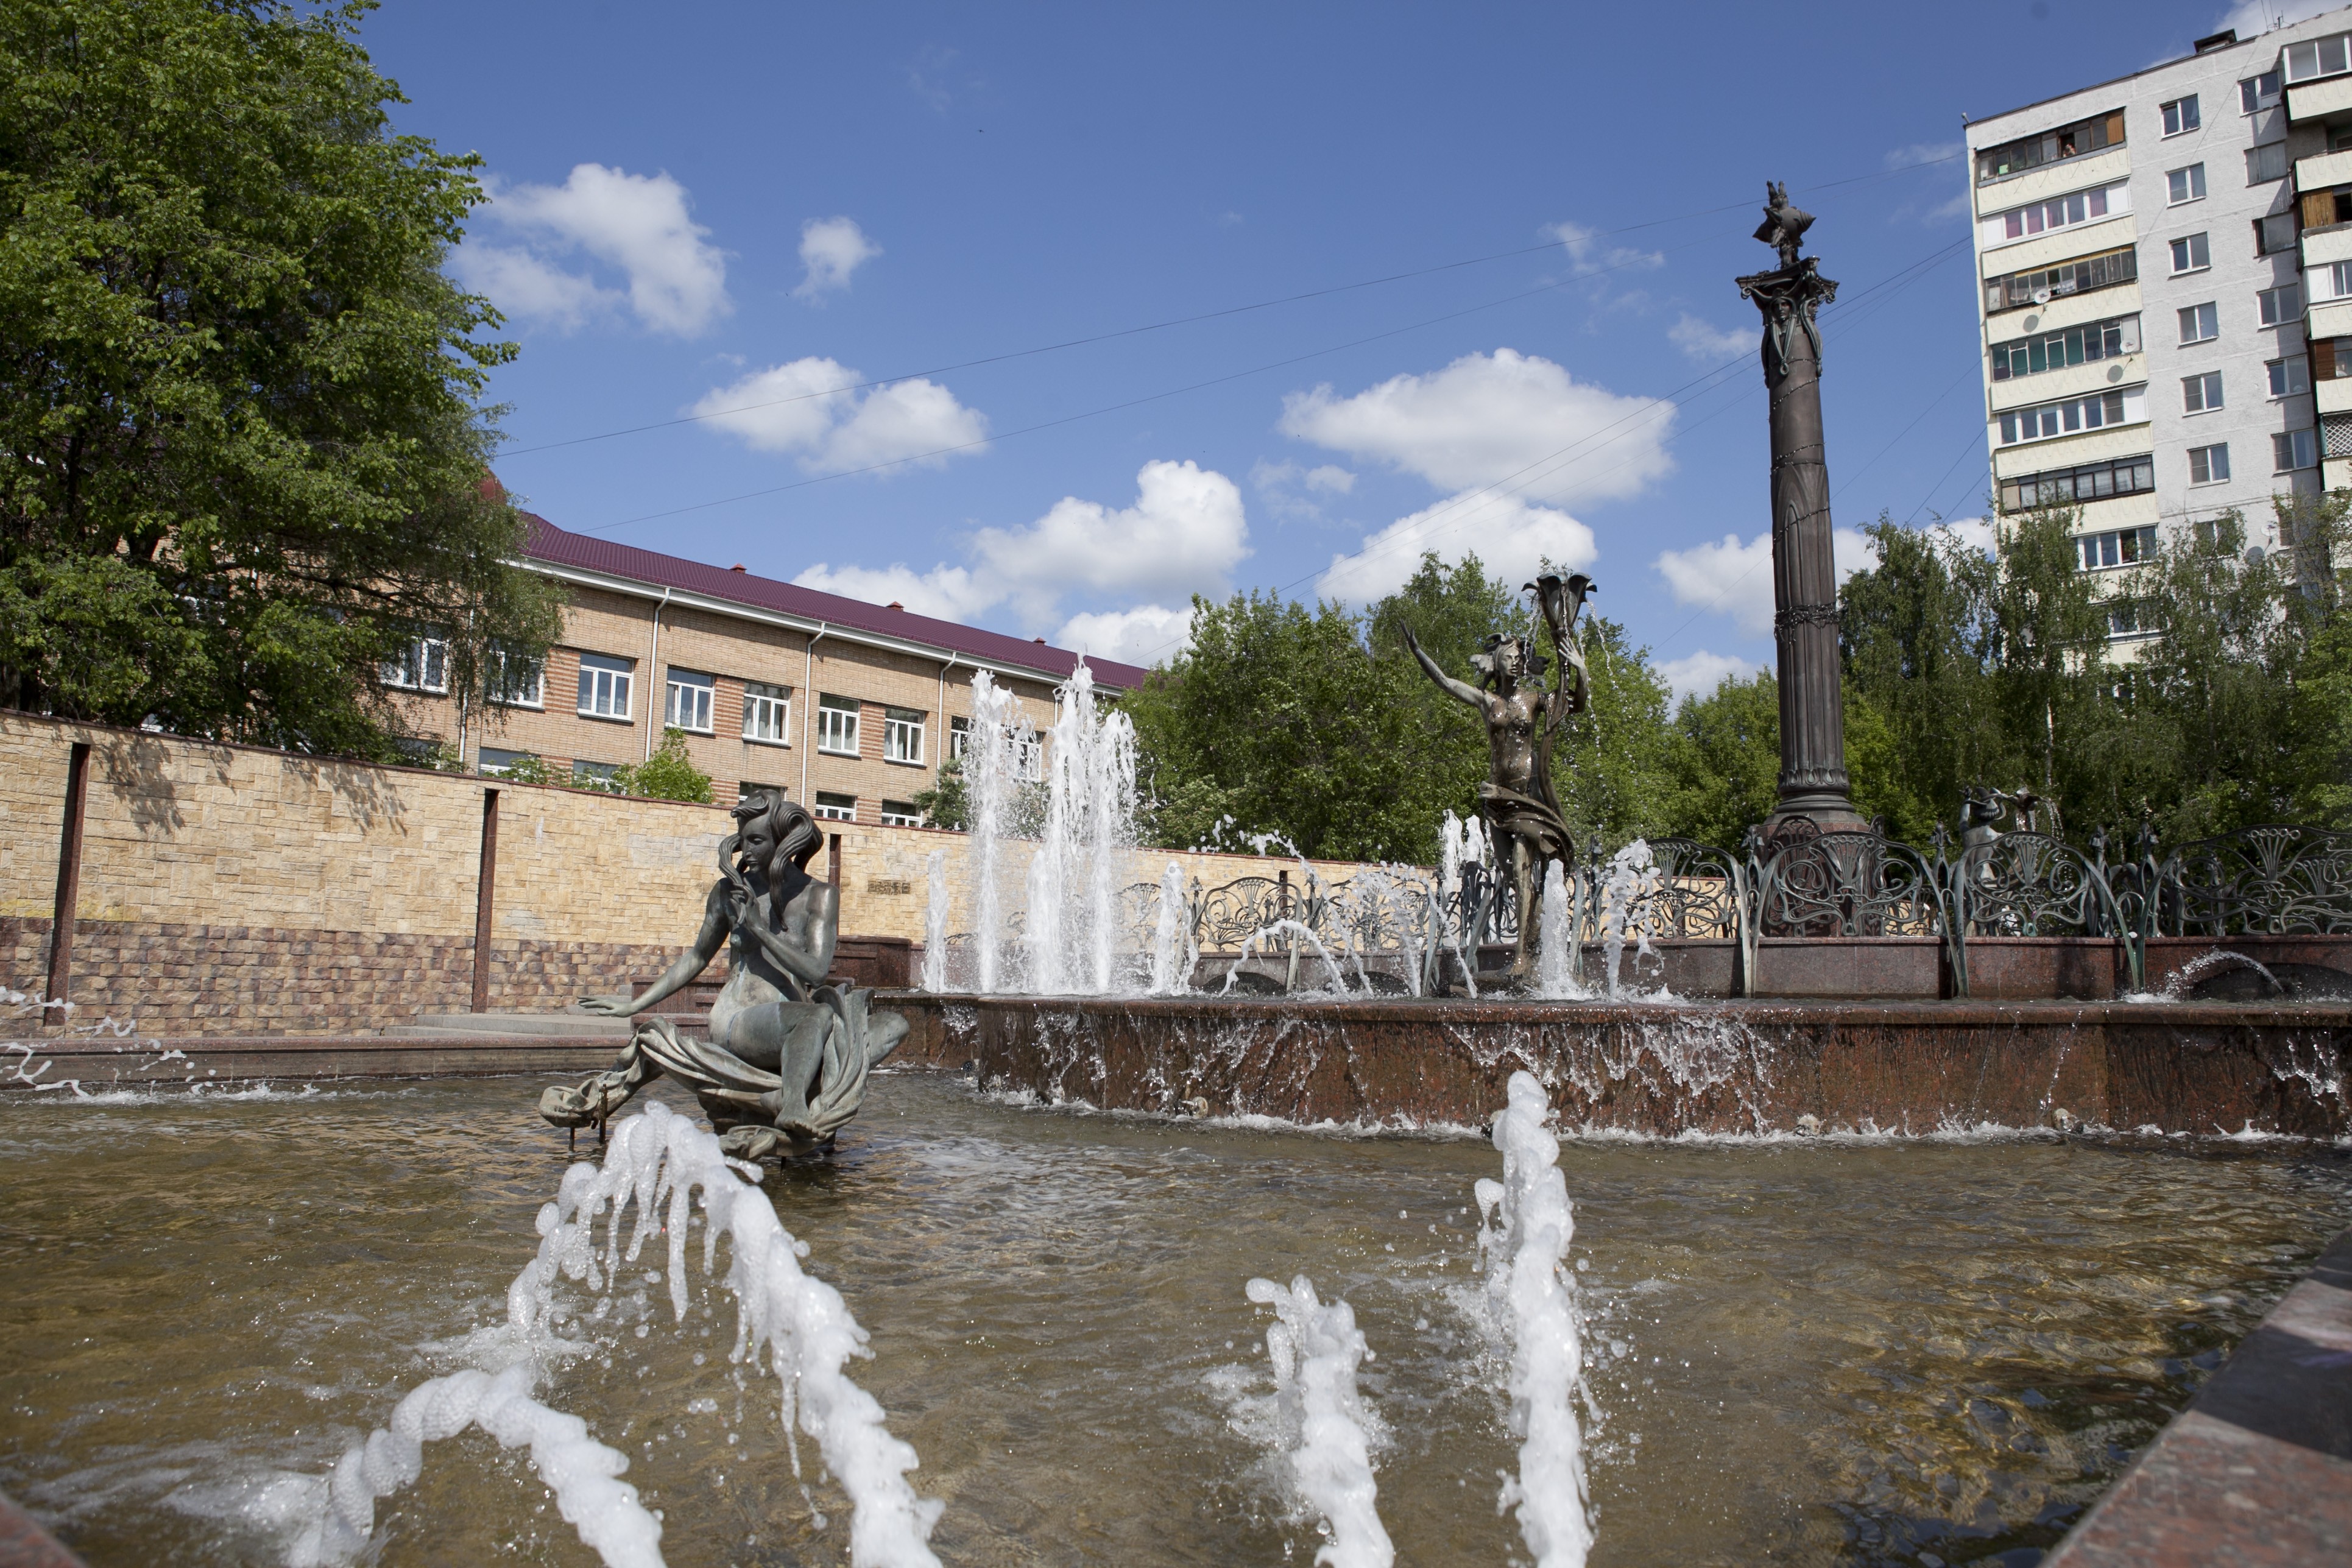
[[785, 1063], [1523, 719]]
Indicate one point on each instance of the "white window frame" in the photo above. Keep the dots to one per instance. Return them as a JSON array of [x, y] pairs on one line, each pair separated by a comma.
[[2216, 473], [2318, 58], [2254, 96], [689, 700], [900, 814], [516, 682], [2184, 184], [828, 807], [2182, 116], [603, 777], [2191, 253], [2093, 204], [837, 725], [421, 665], [2072, 415], [2289, 448], [2289, 377], [2281, 306], [2109, 552], [902, 735], [1029, 758], [607, 686], [2201, 393], [767, 713], [959, 737], [2200, 317]]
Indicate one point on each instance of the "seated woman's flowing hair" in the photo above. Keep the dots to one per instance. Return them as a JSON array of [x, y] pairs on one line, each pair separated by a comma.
[[797, 835]]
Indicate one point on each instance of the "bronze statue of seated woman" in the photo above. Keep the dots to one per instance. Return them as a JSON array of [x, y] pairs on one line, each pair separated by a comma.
[[785, 1067]]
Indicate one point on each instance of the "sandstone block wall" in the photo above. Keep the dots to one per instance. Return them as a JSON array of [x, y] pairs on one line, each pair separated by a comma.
[[230, 888]]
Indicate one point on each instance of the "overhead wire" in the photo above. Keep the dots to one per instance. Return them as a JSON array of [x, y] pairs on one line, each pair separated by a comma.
[[1299, 298]]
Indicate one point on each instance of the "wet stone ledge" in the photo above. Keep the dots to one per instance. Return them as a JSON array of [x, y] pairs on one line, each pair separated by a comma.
[[1736, 1068]]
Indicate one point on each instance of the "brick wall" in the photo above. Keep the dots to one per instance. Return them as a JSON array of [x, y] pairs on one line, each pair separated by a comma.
[[234, 887]]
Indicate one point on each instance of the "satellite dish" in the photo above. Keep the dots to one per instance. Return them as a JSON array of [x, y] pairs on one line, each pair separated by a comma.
[[2041, 296], [2254, 555]]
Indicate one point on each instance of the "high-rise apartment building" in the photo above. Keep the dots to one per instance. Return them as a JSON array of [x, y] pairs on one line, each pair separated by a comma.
[[2164, 268]]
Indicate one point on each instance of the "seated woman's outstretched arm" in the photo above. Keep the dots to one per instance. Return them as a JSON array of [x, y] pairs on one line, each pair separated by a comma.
[[679, 975]]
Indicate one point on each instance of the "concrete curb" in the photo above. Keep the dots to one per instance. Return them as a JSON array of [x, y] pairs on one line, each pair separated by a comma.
[[2258, 1469]]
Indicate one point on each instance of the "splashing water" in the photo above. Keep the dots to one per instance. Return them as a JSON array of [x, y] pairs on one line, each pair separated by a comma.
[[659, 1160], [1174, 950], [999, 741], [1634, 883], [1072, 920], [1322, 1422], [935, 926], [1524, 1225], [1296, 929], [1555, 977]]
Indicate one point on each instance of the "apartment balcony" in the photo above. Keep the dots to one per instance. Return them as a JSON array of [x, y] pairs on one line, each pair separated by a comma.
[[2318, 99], [2325, 247], [2053, 179], [2094, 375], [2333, 395], [2327, 319], [2322, 173]]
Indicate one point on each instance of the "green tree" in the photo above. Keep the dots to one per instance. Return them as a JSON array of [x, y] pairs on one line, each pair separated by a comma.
[[948, 802], [1726, 764], [668, 775], [1612, 766], [1277, 719], [242, 446]]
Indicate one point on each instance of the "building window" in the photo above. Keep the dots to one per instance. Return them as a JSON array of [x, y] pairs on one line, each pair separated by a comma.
[[2066, 141], [902, 735], [2059, 212], [421, 664], [750, 787], [836, 807], [2336, 279], [2257, 91], [958, 738], [2078, 276], [2200, 323], [687, 705], [2181, 116], [2274, 232], [2124, 621], [2186, 184], [2280, 305], [2200, 393], [2266, 163], [1029, 758], [516, 681], [2056, 351], [2292, 449], [768, 713], [899, 814], [2068, 487], [2289, 377], [2191, 254], [2321, 56], [837, 725], [2119, 547], [605, 777], [2095, 412], [2208, 465], [604, 685], [495, 764]]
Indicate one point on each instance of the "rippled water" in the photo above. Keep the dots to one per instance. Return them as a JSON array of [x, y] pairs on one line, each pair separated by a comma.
[[1826, 1353]]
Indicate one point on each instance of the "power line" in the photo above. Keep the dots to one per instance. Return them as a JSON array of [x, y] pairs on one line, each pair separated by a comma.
[[1203, 316]]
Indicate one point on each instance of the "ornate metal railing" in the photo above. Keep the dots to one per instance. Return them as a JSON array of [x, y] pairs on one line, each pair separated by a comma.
[[2270, 880]]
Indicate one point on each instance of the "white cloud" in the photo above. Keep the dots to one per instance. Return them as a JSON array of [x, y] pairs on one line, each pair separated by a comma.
[[1587, 255], [1184, 535], [801, 408], [1735, 578], [1280, 484], [638, 222], [1972, 532], [1699, 674], [1511, 538], [832, 248], [1486, 417], [946, 592], [1706, 341], [1147, 635], [528, 289]]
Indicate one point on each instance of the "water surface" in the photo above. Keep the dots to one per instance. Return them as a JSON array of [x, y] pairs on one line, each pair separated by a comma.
[[1825, 1352]]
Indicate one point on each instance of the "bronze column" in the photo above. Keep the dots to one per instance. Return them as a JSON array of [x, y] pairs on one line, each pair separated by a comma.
[[1804, 571]]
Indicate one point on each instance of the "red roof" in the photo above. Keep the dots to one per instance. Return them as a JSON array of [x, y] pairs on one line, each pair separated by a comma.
[[558, 547]]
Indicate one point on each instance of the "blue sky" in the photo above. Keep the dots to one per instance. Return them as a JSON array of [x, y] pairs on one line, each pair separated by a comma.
[[739, 211]]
